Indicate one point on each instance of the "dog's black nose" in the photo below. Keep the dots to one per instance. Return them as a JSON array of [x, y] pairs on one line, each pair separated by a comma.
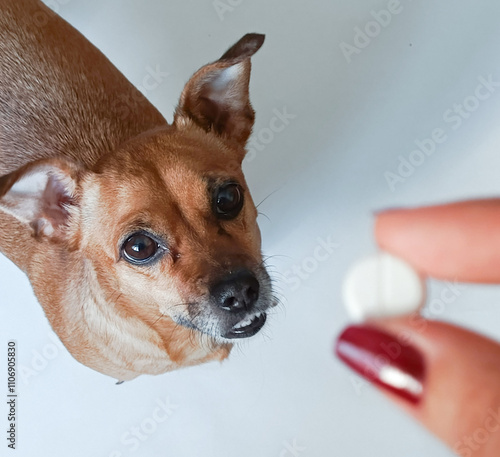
[[237, 292]]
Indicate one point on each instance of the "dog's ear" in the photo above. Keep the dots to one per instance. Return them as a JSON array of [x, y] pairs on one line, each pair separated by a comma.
[[42, 195], [216, 97]]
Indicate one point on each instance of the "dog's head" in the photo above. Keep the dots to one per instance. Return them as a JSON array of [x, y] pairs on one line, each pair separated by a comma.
[[166, 223]]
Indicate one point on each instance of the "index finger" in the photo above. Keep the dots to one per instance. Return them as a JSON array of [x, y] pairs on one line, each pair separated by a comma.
[[457, 241]]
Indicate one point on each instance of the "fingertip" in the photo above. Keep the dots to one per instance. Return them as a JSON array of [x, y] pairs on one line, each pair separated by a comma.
[[461, 382], [452, 241], [394, 231]]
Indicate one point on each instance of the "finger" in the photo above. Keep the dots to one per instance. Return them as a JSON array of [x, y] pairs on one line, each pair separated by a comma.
[[459, 241], [446, 377]]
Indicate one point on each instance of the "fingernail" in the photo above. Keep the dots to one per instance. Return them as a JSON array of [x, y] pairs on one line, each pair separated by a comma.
[[383, 360]]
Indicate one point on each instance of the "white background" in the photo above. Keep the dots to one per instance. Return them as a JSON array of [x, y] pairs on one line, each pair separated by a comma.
[[322, 178]]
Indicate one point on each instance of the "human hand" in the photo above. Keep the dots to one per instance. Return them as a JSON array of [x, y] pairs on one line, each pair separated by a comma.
[[448, 378]]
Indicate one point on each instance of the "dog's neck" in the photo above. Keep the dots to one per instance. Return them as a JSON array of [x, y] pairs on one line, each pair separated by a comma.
[[125, 346]]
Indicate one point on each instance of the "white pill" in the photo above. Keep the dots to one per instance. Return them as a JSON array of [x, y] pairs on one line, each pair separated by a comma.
[[382, 286]]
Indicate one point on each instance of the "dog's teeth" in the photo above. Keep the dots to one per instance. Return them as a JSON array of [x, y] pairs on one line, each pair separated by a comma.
[[247, 321]]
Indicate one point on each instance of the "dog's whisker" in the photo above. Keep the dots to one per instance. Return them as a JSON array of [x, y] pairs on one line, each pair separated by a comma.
[[270, 195], [264, 215]]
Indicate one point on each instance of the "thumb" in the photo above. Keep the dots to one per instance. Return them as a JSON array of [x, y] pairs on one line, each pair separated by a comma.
[[446, 377]]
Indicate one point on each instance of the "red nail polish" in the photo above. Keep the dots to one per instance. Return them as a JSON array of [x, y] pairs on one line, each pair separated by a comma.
[[383, 360]]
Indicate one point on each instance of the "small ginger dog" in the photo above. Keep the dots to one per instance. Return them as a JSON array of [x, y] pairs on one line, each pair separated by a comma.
[[139, 237]]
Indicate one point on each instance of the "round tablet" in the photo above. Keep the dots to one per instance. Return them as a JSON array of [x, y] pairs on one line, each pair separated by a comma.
[[382, 286]]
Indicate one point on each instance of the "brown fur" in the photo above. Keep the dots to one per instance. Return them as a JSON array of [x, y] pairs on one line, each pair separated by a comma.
[[111, 165]]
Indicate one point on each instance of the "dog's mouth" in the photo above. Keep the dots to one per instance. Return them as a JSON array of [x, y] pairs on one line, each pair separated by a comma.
[[236, 307], [247, 327]]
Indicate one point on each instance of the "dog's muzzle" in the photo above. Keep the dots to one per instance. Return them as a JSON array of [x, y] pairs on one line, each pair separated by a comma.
[[237, 296]]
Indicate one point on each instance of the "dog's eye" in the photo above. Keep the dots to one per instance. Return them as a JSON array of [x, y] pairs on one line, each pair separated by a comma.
[[228, 201], [139, 249]]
